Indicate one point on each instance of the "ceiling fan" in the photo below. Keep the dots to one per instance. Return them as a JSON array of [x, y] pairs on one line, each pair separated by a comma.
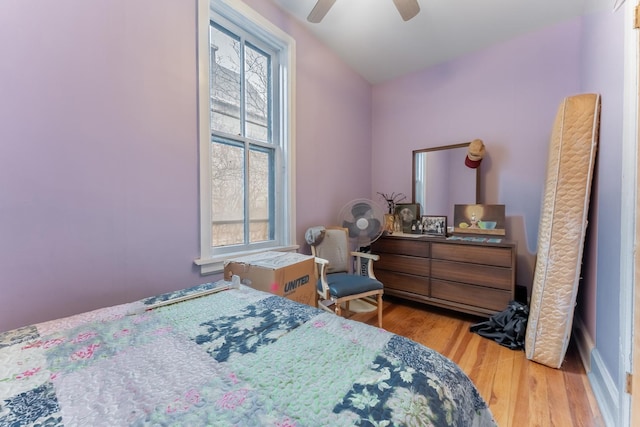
[[407, 8]]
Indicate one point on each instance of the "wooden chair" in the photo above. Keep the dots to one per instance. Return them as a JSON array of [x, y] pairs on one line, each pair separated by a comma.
[[339, 282]]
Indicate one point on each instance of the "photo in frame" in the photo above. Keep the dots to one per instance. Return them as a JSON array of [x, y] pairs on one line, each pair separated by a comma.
[[407, 213], [434, 225], [479, 219]]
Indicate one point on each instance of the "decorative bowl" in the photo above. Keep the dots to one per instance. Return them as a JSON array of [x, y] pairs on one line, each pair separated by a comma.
[[487, 225]]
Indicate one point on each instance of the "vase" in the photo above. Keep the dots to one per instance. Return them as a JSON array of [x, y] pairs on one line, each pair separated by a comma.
[[389, 223]]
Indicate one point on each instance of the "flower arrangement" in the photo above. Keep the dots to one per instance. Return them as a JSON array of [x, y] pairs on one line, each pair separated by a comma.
[[392, 199]]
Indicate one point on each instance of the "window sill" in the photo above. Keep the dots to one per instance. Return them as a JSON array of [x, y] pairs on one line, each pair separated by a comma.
[[216, 264]]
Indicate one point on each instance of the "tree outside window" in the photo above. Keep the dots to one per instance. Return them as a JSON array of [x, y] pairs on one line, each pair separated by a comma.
[[242, 153]]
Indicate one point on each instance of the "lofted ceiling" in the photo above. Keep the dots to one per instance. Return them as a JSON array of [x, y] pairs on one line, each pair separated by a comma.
[[372, 38]]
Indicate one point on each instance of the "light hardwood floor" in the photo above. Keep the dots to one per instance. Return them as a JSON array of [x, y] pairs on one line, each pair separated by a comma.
[[519, 392]]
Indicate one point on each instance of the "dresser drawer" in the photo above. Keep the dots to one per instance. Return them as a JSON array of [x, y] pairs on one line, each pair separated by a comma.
[[472, 277], [488, 255], [404, 282], [478, 296], [419, 248], [403, 263], [475, 274]]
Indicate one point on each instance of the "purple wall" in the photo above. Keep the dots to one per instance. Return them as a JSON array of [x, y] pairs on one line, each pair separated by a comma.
[[98, 155], [99, 150], [602, 49], [508, 96]]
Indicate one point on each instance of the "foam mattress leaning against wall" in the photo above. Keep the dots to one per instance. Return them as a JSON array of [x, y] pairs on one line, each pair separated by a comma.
[[563, 223]]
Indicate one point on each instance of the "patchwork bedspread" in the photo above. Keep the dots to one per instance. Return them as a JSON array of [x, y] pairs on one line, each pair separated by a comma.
[[235, 358]]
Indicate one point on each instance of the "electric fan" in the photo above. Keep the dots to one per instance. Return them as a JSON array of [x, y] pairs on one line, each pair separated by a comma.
[[364, 220]]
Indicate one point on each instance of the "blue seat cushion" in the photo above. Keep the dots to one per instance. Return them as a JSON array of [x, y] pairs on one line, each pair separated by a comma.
[[344, 284]]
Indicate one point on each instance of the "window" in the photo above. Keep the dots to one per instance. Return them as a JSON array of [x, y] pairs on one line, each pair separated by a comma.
[[246, 139]]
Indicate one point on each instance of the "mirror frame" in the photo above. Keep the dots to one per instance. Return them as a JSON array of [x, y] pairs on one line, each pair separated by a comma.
[[440, 148]]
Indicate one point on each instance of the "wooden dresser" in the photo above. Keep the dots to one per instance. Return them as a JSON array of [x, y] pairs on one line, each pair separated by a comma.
[[471, 277]]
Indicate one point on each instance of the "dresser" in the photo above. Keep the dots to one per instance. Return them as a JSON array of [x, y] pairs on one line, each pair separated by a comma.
[[471, 277]]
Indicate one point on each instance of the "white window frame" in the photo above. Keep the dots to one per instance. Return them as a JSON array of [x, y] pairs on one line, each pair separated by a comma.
[[237, 12]]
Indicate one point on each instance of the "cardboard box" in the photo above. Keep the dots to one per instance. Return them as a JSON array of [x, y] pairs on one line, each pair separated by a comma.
[[288, 274]]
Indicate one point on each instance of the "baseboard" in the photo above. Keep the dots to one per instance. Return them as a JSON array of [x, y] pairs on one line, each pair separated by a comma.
[[602, 384], [604, 390]]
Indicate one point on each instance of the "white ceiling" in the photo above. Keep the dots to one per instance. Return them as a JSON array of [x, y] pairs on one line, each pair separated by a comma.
[[370, 36]]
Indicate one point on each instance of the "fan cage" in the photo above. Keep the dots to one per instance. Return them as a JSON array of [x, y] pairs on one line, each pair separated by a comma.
[[364, 219]]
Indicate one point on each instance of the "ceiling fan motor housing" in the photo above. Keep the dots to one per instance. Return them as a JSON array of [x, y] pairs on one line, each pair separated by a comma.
[[407, 9]]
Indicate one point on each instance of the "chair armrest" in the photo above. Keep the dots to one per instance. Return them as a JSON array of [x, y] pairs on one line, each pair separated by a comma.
[[370, 257], [374, 257], [321, 262], [322, 265]]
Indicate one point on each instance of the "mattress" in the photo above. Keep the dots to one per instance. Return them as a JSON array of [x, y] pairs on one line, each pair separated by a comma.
[[563, 223], [238, 357]]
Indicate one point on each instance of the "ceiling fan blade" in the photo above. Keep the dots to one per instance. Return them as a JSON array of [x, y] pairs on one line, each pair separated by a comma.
[[407, 8], [320, 10]]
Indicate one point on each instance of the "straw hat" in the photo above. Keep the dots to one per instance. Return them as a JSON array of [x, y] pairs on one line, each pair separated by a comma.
[[475, 153]]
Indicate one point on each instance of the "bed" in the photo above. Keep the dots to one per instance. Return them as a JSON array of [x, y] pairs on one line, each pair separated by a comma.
[[238, 357]]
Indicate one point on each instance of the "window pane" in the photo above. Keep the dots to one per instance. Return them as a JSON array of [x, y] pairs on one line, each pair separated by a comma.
[[227, 194], [248, 201], [225, 81], [260, 185], [257, 85]]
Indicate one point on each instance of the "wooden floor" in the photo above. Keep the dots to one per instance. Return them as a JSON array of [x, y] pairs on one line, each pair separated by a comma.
[[519, 392]]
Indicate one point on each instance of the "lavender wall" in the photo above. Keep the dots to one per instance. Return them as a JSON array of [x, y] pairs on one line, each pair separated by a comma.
[[98, 150], [98, 146], [508, 96], [97, 157], [603, 72]]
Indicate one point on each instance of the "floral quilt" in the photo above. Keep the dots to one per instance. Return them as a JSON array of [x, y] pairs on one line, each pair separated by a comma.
[[239, 357]]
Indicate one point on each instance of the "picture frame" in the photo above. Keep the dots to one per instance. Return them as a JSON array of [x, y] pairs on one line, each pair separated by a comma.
[[407, 213], [434, 225], [488, 220], [416, 226]]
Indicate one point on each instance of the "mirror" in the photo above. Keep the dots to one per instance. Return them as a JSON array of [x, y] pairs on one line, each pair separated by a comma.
[[441, 180]]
